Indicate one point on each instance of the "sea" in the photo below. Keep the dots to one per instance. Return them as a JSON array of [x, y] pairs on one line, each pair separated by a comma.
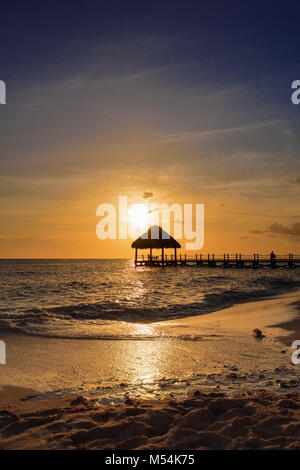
[[80, 298]]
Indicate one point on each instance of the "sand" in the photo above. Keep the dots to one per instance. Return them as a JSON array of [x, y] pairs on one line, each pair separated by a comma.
[[262, 420], [243, 393]]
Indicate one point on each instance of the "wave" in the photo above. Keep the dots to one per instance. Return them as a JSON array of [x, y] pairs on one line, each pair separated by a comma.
[[88, 320]]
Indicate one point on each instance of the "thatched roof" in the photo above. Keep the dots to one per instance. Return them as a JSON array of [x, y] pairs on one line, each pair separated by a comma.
[[155, 237]]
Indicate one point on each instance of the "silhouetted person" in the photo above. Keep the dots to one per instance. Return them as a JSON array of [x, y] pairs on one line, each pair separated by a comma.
[[273, 258]]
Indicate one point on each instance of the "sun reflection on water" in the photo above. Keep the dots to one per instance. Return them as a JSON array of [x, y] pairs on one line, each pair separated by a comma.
[[143, 329]]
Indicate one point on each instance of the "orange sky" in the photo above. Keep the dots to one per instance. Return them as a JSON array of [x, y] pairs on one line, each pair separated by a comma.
[[57, 217], [157, 113]]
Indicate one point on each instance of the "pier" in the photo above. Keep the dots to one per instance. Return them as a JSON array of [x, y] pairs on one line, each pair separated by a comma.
[[225, 261], [157, 239]]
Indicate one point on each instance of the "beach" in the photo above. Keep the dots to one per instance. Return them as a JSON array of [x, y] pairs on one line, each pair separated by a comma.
[[262, 420], [204, 375]]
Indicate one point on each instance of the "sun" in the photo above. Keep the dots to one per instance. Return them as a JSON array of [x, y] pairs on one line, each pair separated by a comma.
[[139, 216]]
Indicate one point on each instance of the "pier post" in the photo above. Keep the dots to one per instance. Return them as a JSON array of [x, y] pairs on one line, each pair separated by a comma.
[[162, 256], [254, 261], [211, 261], [291, 260], [226, 263], [241, 262]]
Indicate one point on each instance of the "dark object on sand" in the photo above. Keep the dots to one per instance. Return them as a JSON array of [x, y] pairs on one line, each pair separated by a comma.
[[257, 333], [79, 400]]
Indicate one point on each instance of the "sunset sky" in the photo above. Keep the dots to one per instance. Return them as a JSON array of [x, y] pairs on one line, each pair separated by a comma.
[[173, 102]]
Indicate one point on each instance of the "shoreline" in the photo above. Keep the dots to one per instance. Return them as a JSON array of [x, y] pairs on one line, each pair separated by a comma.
[[195, 349], [73, 393], [292, 327], [109, 326]]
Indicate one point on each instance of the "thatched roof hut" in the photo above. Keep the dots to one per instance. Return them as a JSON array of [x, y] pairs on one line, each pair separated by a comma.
[[155, 238]]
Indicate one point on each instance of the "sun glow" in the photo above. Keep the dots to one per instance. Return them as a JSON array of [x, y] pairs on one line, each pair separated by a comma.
[[139, 216]]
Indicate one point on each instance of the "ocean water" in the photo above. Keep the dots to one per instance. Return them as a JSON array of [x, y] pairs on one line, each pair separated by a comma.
[[82, 298]]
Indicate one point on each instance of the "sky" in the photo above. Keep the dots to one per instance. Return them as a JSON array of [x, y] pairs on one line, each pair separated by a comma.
[[188, 102]]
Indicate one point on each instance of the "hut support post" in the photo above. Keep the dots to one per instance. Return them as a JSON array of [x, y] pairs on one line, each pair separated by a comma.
[[136, 250], [175, 256], [162, 256]]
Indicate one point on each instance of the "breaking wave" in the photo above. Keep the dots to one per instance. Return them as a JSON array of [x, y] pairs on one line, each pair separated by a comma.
[[87, 299]]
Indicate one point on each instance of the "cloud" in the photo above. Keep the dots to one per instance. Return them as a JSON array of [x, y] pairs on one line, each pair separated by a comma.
[[147, 195], [295, 181], [185, 136], [257, 232], [290, 231]]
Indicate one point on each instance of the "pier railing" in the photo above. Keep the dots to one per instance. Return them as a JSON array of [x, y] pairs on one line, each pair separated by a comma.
[[226, 260]]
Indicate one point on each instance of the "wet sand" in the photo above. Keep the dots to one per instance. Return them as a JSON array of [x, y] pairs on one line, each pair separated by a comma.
[[292, 326], [133, 391]]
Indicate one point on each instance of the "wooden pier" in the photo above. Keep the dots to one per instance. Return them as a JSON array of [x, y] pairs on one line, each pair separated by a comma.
[[225, 261], [157, 239]]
